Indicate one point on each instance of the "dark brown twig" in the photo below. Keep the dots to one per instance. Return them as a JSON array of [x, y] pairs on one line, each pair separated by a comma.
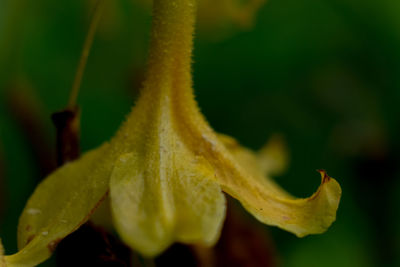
[[67, 123]]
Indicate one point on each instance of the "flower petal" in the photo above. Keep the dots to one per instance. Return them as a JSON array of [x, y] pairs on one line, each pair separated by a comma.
[[60, 204], [273, 206], [273, 157], [157, 203]]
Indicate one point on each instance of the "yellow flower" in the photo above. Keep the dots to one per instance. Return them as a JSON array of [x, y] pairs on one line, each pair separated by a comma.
[[166, 169]]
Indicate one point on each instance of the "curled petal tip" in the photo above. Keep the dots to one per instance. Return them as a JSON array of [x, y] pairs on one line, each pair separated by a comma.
[[324, 176]]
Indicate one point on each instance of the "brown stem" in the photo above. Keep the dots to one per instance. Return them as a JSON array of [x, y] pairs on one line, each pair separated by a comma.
[[67, 123]]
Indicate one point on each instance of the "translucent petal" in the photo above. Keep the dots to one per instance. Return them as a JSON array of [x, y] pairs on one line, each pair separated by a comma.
[[273, 206], [60, 204], [273, 157], [157, 202]]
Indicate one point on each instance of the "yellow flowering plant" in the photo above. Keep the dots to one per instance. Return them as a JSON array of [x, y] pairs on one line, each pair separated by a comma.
[[165, 170]]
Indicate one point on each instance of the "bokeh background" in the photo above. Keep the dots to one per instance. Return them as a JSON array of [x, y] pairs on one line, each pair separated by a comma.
[[325, 74]]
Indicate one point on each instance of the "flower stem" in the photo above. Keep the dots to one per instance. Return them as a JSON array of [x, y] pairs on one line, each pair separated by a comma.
[[171, 44], [85, 53]]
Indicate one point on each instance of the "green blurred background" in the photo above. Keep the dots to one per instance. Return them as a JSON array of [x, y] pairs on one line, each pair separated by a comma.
[[323, 73]]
